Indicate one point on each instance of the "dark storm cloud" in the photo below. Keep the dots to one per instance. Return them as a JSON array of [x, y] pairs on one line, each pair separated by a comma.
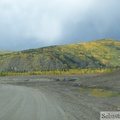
[[35, 23], [101, 21]]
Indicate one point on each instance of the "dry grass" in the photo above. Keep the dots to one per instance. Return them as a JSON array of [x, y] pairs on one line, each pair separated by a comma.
[[98, 92]]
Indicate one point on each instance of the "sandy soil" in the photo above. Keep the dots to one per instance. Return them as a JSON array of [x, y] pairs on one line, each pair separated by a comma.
[[57, 97]]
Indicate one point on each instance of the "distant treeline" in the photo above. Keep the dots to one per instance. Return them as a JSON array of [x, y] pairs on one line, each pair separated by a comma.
[[60, 72]]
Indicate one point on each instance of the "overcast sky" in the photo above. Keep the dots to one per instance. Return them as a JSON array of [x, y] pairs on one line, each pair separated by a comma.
[[26, 24]]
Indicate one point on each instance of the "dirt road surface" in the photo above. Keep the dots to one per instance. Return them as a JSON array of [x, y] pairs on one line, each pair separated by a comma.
[[56, 97], [22, 103]]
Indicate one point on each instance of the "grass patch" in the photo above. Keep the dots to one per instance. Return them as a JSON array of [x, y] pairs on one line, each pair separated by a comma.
[[98, 92], [59, 72]]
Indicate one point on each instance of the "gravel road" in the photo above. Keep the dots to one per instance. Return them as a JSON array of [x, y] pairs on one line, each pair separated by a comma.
[[23, 103], [57, 97]]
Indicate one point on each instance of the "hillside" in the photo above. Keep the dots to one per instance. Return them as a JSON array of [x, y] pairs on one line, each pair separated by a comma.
[[94, 54], [4, 52]]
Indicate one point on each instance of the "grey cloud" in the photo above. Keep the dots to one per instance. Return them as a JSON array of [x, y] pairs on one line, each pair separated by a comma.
[[36, 23]]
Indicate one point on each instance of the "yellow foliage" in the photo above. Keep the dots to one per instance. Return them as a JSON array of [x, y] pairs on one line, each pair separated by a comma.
[[59, 72]]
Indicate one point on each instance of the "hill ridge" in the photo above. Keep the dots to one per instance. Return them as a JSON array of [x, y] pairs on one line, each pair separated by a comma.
[[93, 54]]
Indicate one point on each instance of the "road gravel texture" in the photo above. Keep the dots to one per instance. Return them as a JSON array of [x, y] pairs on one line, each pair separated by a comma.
[[47, 97]]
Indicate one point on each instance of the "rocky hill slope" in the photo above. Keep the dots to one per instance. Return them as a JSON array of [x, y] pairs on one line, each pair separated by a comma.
[[94, 54]]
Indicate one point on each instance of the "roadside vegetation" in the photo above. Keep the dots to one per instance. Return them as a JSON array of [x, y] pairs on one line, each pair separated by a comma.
[[59, 72], [98, 92]]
